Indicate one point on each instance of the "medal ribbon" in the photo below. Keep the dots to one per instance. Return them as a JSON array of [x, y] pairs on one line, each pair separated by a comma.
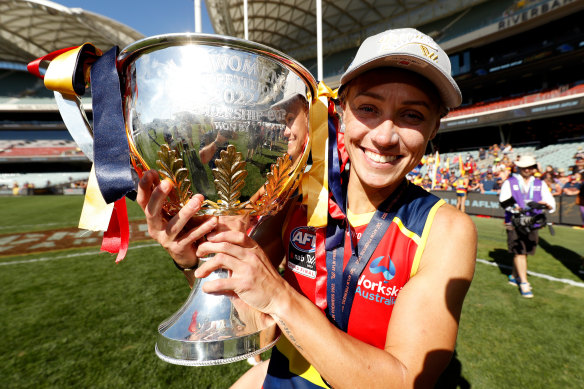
[[342, 283]]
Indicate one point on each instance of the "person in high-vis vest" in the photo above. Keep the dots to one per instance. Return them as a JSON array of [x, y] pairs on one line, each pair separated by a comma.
[[381, 305], [524, 188]]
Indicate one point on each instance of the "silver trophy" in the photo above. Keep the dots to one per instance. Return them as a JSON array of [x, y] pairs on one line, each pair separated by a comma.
[[226, 118]]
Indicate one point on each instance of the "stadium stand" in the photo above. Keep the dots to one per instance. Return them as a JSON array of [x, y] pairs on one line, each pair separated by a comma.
[[517, 62]]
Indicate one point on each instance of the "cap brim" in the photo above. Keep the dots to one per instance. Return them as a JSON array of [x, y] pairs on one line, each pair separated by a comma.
[[447, 88]]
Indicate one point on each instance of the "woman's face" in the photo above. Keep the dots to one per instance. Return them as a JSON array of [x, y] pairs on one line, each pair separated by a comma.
[[296, 121], [389, 117]]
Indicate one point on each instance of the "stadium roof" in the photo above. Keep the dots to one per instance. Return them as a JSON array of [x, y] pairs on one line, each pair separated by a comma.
[[290, 25], [32, 28]]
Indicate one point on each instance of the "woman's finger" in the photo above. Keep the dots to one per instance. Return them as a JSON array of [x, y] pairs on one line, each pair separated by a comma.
[[238, 238], [147, 183], [178, 222], [197, 233], [159, 194], [216, 262]]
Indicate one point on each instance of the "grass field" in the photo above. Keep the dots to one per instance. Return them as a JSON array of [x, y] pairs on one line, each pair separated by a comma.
[[75, 319]]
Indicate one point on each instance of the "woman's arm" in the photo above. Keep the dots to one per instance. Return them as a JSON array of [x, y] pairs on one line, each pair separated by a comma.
[[422, 332]]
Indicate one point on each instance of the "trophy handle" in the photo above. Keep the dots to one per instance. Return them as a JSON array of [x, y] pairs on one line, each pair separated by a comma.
[[73, 114]]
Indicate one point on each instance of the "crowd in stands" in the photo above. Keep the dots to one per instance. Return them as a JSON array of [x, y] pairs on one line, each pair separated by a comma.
[[489, 170], [30, 188]]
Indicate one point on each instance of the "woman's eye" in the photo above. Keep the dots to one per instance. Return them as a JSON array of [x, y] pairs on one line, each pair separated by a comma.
[[416, 116], [367, 109], [290, 119]]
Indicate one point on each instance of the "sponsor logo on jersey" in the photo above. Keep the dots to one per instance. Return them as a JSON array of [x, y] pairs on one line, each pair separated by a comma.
[[388, 274], [303, 239], [376, 291], [301, 251]]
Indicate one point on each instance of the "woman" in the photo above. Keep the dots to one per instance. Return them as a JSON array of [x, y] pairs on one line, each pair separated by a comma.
[[552, 183], [387, 315], [461, 192]]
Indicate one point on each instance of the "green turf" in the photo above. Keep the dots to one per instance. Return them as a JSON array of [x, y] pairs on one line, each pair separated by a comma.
[[81, 321], [36, 213]]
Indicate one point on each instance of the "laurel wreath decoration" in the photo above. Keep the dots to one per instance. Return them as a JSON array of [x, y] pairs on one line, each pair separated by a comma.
[[172, 168], [279, 174], [230, 174]]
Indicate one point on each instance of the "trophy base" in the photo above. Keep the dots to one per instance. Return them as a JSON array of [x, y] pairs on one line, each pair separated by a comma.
[[201, 353], [211, 329]]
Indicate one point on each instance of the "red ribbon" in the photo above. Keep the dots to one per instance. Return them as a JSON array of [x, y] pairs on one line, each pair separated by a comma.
[[33, 67], [117, 237]]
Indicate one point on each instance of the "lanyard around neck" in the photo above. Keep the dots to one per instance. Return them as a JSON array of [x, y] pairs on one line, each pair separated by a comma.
[[342, 282]]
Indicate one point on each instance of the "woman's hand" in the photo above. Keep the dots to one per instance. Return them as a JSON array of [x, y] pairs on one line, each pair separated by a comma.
[[180, 242], [253, 277]]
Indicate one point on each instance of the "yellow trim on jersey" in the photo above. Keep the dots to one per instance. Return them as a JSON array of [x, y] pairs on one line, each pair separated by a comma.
[[425, 234], [298, 365], [359, 219], [403, 229]]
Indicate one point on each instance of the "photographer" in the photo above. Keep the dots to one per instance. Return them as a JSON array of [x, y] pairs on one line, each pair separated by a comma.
[[522, 218]]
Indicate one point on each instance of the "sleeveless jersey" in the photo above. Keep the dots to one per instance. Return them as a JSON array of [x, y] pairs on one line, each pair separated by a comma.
[[461, 186], [393, 263]]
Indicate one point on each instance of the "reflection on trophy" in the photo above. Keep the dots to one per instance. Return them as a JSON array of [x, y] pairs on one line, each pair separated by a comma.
[[226, 118]]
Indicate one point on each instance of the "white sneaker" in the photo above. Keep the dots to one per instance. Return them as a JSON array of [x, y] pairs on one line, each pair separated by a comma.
[[252, 361]]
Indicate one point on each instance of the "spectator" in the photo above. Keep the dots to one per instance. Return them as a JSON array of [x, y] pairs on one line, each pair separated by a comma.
[[482, 154], [580, 203], [488, 185], [461, 193], [552, 183], [562, 177], [474, 182], [572, 187]]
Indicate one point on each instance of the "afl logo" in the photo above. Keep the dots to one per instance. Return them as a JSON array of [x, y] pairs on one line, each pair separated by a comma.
[[303, 239]]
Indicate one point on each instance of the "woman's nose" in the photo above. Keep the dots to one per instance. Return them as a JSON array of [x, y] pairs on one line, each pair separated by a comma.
[[386, 134]]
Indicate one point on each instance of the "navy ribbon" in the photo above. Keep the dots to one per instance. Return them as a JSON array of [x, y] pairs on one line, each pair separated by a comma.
[[342, 282], [335, 232], [110, 144]]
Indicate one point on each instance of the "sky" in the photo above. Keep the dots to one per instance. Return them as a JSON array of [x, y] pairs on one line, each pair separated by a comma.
[[149, 17]]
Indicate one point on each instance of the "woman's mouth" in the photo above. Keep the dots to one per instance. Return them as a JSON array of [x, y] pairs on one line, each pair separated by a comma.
[[380, 158]]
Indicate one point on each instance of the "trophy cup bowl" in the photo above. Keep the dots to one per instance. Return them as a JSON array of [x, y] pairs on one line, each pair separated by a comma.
[[226, 118]]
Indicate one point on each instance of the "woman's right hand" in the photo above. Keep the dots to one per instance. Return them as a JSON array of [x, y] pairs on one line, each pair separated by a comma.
[[180, 242]]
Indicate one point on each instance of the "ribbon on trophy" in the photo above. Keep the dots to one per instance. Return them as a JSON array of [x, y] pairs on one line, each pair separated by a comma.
[[322, 190], [68, 75]]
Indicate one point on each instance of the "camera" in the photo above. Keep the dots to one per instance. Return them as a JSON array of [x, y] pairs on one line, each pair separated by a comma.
[[523, 219]]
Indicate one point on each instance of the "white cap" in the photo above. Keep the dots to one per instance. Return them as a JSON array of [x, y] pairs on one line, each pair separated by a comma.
[[410, 49], [526, 161]]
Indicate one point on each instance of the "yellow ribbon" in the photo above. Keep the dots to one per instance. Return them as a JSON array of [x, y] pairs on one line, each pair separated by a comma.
[[315, 182], [69, 72], [96, 213]]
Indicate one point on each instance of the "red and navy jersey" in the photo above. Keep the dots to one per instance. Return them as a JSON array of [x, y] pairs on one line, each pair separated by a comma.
[[393, 263]]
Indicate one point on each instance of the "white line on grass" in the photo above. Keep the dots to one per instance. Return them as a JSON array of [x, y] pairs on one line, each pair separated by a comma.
[[90, 253], [534, 274]]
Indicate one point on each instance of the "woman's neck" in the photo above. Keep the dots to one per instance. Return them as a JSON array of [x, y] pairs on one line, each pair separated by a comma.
[[362, 199]]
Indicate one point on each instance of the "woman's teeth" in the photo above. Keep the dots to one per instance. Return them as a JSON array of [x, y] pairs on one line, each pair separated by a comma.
[[380, 158]]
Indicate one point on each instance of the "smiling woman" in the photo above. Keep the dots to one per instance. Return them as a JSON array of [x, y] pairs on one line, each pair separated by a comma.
[[389, 115], [381, 287]]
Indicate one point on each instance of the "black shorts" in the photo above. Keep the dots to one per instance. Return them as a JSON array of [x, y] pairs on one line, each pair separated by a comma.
[[519, 243]]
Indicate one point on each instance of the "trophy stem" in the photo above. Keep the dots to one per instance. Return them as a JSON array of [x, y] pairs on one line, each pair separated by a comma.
[[212, 329]]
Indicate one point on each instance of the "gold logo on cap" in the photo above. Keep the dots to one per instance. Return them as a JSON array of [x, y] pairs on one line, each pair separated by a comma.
[[433, 56]]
